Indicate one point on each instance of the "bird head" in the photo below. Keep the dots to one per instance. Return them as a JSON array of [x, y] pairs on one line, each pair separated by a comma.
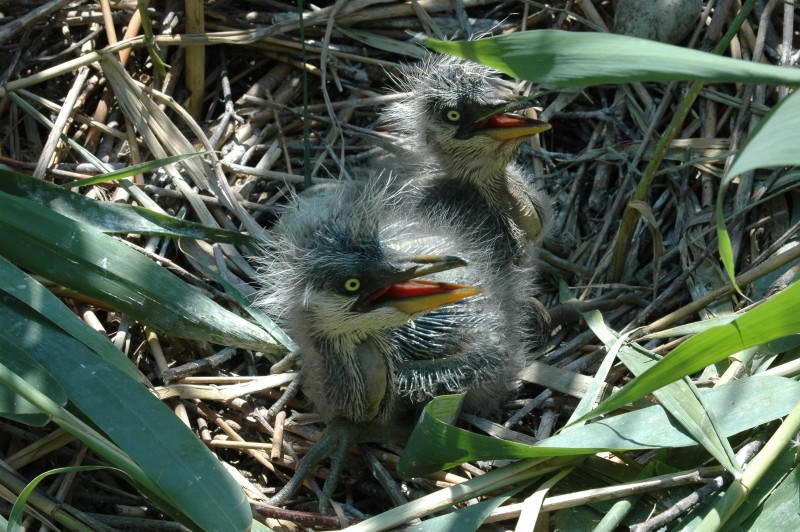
[[357, 292], [332, 272], [458, 111]]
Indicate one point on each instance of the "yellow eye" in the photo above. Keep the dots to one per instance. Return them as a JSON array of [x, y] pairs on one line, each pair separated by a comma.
[[352, 285], [453, 115]]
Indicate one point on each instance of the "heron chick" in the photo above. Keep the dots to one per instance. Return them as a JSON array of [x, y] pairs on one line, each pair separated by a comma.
[[342, 275], [461, 123]]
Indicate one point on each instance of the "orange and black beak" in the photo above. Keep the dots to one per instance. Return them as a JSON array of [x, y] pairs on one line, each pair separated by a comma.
[[500, 122], [404, 290]]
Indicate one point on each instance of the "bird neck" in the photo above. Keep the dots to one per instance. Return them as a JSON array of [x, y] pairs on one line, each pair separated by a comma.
[[505, 195], [488, 175], [343, 345]]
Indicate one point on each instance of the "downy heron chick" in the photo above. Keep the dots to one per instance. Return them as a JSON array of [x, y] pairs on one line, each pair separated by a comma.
[[461, 124], [342, 274]]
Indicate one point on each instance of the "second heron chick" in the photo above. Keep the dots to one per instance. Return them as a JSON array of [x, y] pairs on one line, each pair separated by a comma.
[[462, 125], [342, 274]]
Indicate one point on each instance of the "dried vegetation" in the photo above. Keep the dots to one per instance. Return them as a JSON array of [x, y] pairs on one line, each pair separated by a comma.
[[246, 82]]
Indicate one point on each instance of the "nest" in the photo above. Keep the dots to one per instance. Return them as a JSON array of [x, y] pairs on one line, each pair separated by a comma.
[[273, 105]]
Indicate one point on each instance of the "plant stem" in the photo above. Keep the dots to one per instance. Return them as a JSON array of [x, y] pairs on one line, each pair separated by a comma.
[[631, 215], [741, 487]]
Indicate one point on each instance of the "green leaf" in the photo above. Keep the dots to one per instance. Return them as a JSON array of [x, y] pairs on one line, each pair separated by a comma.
[[12, 405], [778, 316], [737, 493], [129, 171], [740, 405], [691, 328], [258, 526], [143, 427], [593, 393], [774, 140], [680, 398], [386, 44], [111, 217], [75, 427], [772, 143], [468, 518], [257, 314], [27, 290], [99, 266], [575, 59], [15, 518], [779, 511], [725, 246], [754, 505]]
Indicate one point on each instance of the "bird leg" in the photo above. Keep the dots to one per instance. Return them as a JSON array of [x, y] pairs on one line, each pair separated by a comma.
[[335, 442], [346, 436], [318, 452]]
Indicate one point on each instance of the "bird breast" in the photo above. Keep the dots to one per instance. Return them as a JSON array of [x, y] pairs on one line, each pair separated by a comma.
[[375, 375], [353, 383]]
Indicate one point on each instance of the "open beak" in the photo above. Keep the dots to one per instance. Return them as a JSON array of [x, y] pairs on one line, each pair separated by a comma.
[[404, 290], [502, 123]]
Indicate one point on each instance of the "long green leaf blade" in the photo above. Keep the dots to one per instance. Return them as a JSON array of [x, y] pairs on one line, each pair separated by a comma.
[[575, 59], [681, 397], [27, 290], [129, 171], [777, 317], [99, 266], [111, 217], [772, 143], [15, 518], [12, 405], [93, 439], [468, 518], [435, 444], [779, 511], [135, 420]]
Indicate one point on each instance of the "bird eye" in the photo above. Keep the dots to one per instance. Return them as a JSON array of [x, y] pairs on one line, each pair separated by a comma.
[[352, 285], [453, 116]]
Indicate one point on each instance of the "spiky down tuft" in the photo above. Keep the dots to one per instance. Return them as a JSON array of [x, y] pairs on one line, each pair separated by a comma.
[[433, 84]]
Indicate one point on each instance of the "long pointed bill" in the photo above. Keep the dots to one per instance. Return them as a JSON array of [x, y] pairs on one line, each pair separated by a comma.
[[502, 122], [506, 126], [413, 297], [405, 292]]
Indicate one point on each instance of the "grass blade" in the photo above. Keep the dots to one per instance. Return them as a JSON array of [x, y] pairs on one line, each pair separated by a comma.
[[435, 444], [777, 317], [691, 328], [139, 424], [96, 265], [14, 406], [577, 59], [737, 493], [15, 518], [681, 397], [772, 143], [111, 217], [469, 518], [28, 291], [129, 171]]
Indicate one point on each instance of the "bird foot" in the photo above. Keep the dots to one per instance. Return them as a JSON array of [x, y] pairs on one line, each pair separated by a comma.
[[337, 439]]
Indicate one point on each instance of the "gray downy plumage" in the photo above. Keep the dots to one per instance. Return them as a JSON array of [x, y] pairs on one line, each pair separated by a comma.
[[365, 370], [460, 168], [451, 117]]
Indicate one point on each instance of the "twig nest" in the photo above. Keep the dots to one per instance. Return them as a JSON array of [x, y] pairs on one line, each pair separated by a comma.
[[667, 21]]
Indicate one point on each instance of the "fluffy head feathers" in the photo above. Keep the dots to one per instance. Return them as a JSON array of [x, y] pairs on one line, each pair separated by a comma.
[[437, 87]]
